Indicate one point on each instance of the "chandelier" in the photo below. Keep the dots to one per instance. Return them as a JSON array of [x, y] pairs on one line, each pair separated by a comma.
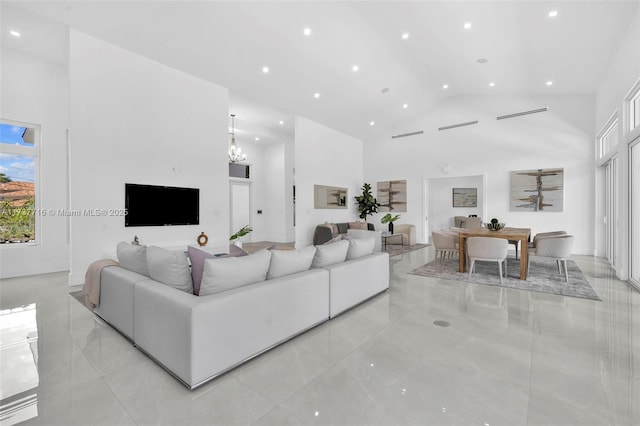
[[235, 153]]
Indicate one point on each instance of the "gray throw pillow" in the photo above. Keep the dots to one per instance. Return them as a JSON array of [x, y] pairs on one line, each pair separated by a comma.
[[133, 258], [233, 272], [170, 267], [287, 262]]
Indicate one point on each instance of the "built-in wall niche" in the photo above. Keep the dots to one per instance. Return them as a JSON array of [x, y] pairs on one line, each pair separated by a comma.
[[238, 170], [329, 197]]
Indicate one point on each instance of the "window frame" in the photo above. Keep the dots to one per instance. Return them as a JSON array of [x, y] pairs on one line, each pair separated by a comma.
[[34, 152], [612, 125]]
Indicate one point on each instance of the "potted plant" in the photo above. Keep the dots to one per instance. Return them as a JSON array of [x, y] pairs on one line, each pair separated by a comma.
[[367, 204], [388, 218], [235, 238]]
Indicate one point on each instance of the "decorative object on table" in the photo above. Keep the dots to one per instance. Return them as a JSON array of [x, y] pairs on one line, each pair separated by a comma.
[[388, 218], [329, 197], [392, 195], [495, 225], [367, 203], [465, 197], [235, 153], [537, 190], [235, 238], [202, 239], [136, 241]]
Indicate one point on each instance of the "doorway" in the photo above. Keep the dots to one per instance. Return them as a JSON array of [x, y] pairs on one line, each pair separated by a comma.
[[240, 205]]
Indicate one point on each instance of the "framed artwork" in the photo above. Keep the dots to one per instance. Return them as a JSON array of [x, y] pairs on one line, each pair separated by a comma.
[[392, 196], [537, 190], [329, 197], [465, 197]]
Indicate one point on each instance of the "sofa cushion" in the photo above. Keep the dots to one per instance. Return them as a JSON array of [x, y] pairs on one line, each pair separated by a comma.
[[198, 257], [170, 267], [333, 226], [287, 262], [133, 258], [232, 272], [342, 228], [357, 225], [329, 254], [360, 247]]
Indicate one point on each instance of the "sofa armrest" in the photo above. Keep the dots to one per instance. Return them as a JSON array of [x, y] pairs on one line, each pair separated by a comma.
[[321, 235]]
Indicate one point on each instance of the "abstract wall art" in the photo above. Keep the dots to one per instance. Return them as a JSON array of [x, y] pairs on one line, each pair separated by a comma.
[[392, 196], [465, 197], [537, 190], [329, 197]]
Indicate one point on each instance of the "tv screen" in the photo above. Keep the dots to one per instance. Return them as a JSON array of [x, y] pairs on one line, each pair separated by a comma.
[[149, 205]]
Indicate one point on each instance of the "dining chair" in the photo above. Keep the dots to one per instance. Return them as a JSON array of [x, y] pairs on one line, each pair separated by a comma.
[[553, 247], [445, 243], [541, 235], [488, 249]]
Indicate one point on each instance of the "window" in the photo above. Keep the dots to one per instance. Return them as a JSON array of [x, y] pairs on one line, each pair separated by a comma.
[[18, 177], [608, 139]]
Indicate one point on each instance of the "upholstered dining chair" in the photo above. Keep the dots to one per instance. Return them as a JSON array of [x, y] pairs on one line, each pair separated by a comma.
[[554, 247], [488, 249], [445, 243], [541, 235]]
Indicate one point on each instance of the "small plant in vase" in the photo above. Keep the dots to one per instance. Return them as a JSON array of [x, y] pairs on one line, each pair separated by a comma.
[[235, 238], [388, 218], [495, 225]]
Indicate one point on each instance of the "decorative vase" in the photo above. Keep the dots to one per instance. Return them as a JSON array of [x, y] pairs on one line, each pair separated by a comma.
[[202, 239], [391, 227]]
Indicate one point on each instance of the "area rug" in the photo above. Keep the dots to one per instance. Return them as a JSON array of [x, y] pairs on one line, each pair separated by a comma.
[[396, 249], [543, 276]]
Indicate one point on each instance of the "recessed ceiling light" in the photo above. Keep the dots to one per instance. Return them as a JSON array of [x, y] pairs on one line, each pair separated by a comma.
[[549, 83], [445, 86], [372, 123], [316, 95], [257, 139], [14, 33], [405, 106], [405, 36], [553, 14], [307, 31], [265, 70], [281, 122], [467, 25], [492, 84], [355, 68]]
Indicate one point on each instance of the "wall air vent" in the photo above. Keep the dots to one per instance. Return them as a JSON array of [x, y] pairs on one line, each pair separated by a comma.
[[518, 114], [453, 126], [404, 135]]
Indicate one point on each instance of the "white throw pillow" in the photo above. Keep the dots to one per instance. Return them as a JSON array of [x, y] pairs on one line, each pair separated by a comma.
[[329, 254], [232, 272], [287, 262], [133, 258], [360, 247], [170, 268]]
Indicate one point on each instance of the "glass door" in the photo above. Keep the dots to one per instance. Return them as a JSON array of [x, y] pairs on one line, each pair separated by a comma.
[[611, 209], [634, 155]]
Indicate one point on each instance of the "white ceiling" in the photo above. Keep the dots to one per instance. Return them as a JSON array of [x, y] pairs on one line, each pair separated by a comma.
[[228, 43]]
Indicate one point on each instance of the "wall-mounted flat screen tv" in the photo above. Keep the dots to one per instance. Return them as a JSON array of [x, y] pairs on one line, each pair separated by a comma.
[[150, 205]]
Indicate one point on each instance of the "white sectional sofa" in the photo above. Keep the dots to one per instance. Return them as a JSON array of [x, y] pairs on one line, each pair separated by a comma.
[[197, 338]]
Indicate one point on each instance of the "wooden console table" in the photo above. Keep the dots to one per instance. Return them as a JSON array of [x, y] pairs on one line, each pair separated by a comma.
[[520, 234]]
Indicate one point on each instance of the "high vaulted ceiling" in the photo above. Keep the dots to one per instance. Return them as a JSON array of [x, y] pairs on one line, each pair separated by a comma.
[[229, 43]]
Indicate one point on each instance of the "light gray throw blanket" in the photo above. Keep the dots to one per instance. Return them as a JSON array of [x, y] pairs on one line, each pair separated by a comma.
[[91, 287]]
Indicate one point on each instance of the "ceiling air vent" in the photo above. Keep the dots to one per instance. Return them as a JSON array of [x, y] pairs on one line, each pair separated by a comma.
[[404, 135], [453, 126], [518, 114]]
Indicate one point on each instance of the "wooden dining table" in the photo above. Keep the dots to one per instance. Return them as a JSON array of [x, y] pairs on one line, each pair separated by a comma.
[[519, 234]]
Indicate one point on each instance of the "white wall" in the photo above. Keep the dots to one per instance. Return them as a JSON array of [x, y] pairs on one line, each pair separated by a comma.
[[324, 156], [35, 90], [135, 120], [623, 72], [440, 197], [561, 137]]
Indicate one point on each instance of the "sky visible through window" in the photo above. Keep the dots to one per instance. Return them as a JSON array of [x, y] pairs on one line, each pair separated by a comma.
[[19, 168]]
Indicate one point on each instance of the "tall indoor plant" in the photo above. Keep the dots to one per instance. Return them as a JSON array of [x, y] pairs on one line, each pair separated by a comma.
[[367, 203]]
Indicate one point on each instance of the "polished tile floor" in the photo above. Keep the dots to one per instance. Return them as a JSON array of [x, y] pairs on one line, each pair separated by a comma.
[[507, 357]]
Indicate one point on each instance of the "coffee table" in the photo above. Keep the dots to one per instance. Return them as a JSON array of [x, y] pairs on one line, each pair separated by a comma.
[[386, 236]]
